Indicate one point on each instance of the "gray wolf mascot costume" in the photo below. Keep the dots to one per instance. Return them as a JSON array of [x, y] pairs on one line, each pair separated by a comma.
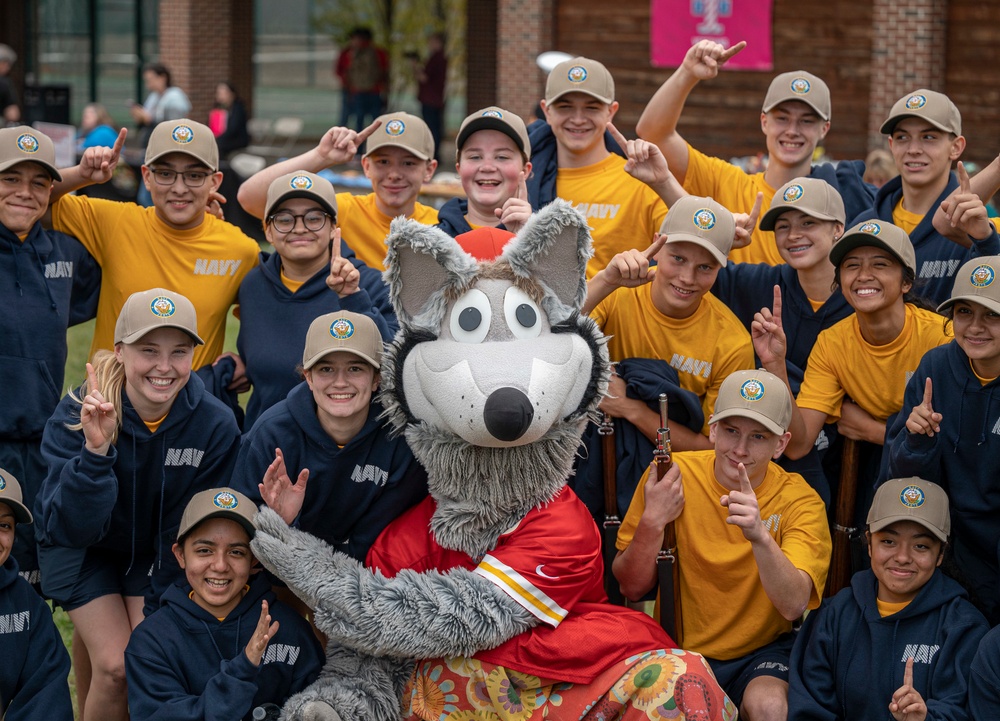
[[486, 601]]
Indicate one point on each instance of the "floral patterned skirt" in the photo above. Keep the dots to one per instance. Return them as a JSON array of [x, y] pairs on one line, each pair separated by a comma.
[[655, 685]]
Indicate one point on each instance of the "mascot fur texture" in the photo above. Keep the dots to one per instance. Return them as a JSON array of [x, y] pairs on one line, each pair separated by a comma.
[[491, 378]]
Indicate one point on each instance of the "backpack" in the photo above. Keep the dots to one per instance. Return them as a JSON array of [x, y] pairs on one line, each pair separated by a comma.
[[364, 74]]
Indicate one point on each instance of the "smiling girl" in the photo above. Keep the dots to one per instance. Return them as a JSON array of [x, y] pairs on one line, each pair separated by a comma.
[[125, 454], [946, 429]]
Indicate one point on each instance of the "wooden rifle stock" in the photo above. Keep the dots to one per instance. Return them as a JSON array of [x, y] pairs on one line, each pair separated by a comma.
[[840, 561], [609, 529], [667, 563]]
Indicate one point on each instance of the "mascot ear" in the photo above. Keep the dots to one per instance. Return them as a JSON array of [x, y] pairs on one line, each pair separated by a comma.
[[553, 249], [422, 265]]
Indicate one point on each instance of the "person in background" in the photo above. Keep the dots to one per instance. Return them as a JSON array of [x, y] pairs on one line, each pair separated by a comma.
[[164, 102], [363, 70], [10, 112], [230, 120], [431, 78], [96, 128], [880, 168]]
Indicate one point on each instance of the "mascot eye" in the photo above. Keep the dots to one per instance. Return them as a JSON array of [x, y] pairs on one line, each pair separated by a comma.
[[470, 318], [522, 314]]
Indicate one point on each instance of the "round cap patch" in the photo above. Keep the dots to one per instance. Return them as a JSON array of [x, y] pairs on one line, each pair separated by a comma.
[[162, 307], [792, 193], [182, 134], [300, 182], [870, 228], [395, 127], [800, 86], [225, 500], [577, 74], [27, 143], [982, 276], [3, 483], [752, 390], [912, 497], [342, 329], [704, 219], [492, 114], [915, 102]]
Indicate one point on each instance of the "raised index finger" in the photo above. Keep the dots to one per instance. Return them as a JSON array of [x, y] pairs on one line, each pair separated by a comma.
[[116, 149], [363, 135], [619, 138], [91, 379], [522, 187], [928, 389], [964, 183], [730, 52], [335, 246], [776, 308], [908, 673], [745, 486], [755, 212], [658, 241]]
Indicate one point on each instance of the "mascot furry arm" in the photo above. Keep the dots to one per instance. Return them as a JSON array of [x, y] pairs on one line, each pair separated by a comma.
[[491, 379]]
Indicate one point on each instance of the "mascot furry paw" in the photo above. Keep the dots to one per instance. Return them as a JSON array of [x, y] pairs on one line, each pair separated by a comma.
[[485, 601]]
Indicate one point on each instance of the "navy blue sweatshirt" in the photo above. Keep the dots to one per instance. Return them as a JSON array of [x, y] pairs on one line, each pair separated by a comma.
[[354, 492], [184, 664], [984, 680], [131, 500], [848, 661], [274, 321], [47, 283], [961, 459], [745, 288], [35, 664], [937, 257]]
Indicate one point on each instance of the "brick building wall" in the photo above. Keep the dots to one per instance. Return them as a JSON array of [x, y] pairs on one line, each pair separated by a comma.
[[525, 29]]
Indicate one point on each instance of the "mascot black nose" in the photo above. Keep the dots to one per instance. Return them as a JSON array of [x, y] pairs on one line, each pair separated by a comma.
[[508, 414]]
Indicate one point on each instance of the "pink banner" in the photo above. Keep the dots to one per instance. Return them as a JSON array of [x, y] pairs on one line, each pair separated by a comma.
[[676, 25]]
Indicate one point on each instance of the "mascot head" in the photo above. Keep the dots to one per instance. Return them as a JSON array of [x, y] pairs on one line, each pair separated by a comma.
[[494, 372]]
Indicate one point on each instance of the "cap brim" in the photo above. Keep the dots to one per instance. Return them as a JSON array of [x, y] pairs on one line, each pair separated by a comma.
[[888, 521], [769, 218], [21, 512], [133, 337], [752, 415], [313, 360], [301, 194], [488, 123], [701, 242], [993, 305], [17, 161], [849, 242]]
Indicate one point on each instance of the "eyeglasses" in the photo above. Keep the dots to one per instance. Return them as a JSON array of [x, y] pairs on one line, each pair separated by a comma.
[[284, 222], [192, 178]]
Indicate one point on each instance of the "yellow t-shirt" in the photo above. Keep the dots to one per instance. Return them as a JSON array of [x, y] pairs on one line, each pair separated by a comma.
[[885, 608], [843, 363], [733, 188], [704, 348], [904, 219], [364, 227], [292, 285], [726, 612], [622, 212], [137, 251]]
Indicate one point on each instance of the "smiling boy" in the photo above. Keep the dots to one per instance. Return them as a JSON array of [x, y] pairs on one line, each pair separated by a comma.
[[174, 244], [220, 644], [752, 542], [902, 637], [794, 119]]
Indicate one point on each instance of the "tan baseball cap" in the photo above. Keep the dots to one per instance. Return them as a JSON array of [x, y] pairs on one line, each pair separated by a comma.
[[757, 395], [24, 144], [405, 131], [494, 118], [878, 233], [802, 86], [814, 197], [342, 331], [976, 282], [580, 75], [301, 184], [936, 108], [10, 493], [218, 503], [911, 499], [155, 308], [183, 136], [701, 221]]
